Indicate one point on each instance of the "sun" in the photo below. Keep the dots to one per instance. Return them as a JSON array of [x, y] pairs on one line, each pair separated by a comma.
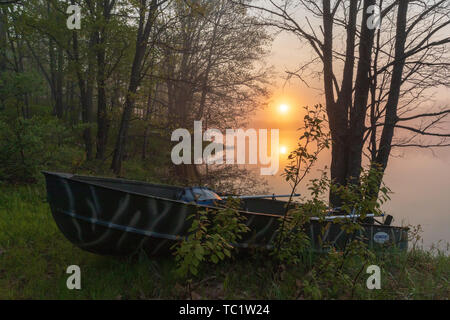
[[283, 108], [283, 150]]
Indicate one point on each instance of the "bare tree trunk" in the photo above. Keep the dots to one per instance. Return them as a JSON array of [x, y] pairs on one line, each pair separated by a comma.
[[3, 42], [205, 88], [362, 87], [338, 128], [150, 108], [102, 116], [143, 34], [103, 122], [85, 87], [394, 93], [59, 78], [347, 117], [55, 74], [25, 97]]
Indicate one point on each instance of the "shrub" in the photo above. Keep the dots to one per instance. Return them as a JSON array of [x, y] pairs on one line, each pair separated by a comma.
[[30, 145], [211, 237]]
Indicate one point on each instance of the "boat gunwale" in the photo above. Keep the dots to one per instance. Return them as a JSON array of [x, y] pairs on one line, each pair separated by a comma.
[[72, 177]]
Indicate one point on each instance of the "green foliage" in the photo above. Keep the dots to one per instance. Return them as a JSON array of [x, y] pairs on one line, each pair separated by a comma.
[[332, 273], [362, 198], [355, 199], [14, 86], [212, 234], [292, 240], [313, 140], [30, 145]]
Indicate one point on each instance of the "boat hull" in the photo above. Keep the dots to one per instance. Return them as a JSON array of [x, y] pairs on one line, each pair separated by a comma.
[[111, 221]]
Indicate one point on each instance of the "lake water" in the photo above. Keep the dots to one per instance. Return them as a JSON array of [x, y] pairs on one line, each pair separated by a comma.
[[420, 182]]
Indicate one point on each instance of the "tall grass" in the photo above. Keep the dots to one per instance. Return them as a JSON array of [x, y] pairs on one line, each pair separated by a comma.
[[34, 257]]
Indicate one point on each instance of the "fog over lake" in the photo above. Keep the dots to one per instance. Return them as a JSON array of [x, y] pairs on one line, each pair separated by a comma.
[[420, 182]]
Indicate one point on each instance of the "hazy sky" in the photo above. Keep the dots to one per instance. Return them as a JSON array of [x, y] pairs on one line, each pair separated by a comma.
[[420, 180]]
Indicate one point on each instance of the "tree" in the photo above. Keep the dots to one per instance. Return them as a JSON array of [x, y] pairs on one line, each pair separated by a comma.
[[212, 70], [102, 12], [147, 16], [137, 69], [3, 39], [385, 71]]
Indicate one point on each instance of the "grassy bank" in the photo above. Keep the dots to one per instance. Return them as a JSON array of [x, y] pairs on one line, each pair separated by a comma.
[[34, 257]]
